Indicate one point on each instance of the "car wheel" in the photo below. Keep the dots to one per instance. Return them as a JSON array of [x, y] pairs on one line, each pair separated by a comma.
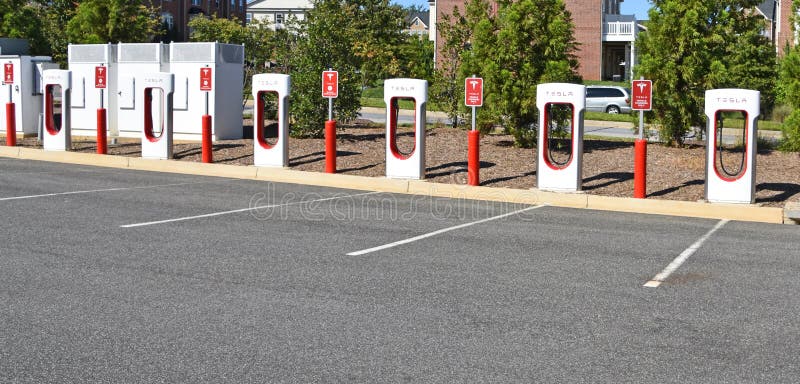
[[612, 109]]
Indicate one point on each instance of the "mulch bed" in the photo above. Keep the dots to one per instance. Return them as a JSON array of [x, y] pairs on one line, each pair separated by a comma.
[[672, 173]]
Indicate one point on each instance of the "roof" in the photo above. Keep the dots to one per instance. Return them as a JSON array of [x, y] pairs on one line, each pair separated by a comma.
[[423, 16], [767, 8]]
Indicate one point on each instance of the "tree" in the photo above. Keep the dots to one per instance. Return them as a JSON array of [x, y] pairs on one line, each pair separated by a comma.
[[111, 21], [695, 45], [447, 88], [256, 37], [790, 86], [358, 38], [56, 15], [527, 42], [22, 20]]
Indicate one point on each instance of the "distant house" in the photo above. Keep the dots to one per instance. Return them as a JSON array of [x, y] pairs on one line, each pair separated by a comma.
[[417, 23], [606, 39], [277, 12], [779, 25], [176, 14]]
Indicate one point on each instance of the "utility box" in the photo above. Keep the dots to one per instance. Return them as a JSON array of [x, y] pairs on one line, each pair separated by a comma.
[[13, 46], [134, 61], [22, 85], [94, 71], [209, 79]]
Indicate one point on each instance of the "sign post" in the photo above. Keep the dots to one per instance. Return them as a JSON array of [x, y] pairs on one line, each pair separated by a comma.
[[100, 82], [11, 120], [330, 90], [641, 100], [206, 86], [473, 97]]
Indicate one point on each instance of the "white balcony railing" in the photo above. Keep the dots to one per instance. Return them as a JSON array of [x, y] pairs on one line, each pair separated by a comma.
[[619, 31]]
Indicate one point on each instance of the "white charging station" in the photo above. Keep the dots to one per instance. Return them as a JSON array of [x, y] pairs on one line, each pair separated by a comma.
[[57, 130], [87, 63], [552, 174], [24, 89], [133, 61], [264, 153], [221, 99], [156, 94], [726, 185], [405, 165]]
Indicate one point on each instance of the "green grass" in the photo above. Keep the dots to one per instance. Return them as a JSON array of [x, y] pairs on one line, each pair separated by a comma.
[[373, 97]]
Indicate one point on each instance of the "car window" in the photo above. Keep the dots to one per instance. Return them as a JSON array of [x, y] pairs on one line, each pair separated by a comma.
[[604, 92], [592, 92]]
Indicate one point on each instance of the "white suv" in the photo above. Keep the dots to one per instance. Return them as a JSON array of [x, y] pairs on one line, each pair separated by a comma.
[[609, 99]]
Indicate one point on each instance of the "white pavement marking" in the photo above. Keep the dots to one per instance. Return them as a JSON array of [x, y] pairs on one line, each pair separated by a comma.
[[92, 191], [675, 264], [439, 232], [241, 210]]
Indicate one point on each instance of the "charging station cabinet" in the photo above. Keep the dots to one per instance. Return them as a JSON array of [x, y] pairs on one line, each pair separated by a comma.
[[401, 165], [226, 64], [84, 61], [133, 61], [560, 151], [275, 154], [57, 99], [156, 114], [731, 181], [24, 90]]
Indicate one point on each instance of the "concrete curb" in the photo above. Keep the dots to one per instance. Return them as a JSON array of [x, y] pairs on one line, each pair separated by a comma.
[[416, 187]]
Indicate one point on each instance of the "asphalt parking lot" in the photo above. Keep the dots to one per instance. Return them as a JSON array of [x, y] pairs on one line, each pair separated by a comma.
[[111, 275]]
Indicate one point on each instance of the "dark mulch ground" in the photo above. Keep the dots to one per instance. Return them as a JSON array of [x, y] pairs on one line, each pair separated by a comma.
[[673, 173]]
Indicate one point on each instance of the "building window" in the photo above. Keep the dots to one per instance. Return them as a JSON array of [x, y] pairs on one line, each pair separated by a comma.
[[168, 20], [248, 18], [278, 18]]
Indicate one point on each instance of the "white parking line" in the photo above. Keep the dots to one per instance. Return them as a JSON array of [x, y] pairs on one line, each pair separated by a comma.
[[91, 191], [439, 232], [675, 264], [241, 210]]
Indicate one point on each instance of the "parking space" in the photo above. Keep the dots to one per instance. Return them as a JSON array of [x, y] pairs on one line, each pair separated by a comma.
[[118, 275]]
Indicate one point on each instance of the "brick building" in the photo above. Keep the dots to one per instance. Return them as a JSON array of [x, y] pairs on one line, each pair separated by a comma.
[[176, 14], [606, 38], [779, 25]]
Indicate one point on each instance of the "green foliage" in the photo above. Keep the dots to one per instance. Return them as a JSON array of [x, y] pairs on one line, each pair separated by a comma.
[[527, 42], [790, 82], [22, 20], [112, 21], [361, 39], [447, 89], [695, 45]]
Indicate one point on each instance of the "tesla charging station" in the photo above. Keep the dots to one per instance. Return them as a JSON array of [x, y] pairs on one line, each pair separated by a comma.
[[156, 94], [264, 153], [401, 165], [57, 122], [94, 68], [133, 61], [222, 100], [559, 161], [22, 87], [728, 182]]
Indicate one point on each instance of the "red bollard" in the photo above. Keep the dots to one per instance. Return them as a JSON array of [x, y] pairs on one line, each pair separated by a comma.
[[473, 158], [640, 169], [207, 153], [330, 146], [102, 142], [11, 125]]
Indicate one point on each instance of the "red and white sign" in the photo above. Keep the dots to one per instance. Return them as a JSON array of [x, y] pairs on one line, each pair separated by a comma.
[[205, 79], [473, 91], [330, 84], [100, 77], [642, 98], [8, 73]]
